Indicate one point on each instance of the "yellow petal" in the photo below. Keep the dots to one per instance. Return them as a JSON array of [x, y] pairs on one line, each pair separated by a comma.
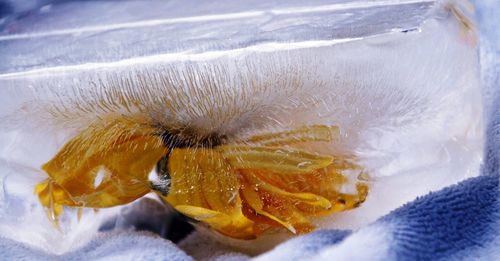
[[120, 151], [206, 188], [302, 134], [203, 178], [186, 178], [220, 184], [236, 225], [52, 197], [288, 161]]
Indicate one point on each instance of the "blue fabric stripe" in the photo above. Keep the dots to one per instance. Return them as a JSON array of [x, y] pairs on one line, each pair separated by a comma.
[[449, 223]]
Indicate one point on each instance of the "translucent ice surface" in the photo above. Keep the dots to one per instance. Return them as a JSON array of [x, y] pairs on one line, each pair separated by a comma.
[[398, 78]]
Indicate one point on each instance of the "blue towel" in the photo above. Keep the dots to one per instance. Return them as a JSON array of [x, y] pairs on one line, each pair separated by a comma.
[[461, 222]]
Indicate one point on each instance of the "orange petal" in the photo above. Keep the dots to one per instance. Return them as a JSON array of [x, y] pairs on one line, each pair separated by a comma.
[[255, 202], [306, 198]]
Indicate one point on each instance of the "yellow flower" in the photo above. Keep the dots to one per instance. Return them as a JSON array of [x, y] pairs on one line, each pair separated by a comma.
[[121, 151], [240, 189]]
